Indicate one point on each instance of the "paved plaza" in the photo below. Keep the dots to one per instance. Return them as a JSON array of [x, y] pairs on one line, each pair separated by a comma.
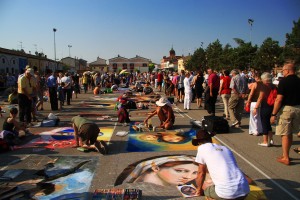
[[276, 180]]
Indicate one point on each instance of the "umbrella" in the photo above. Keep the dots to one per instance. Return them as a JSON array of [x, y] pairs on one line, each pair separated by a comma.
[[87, 72], [124, 71]]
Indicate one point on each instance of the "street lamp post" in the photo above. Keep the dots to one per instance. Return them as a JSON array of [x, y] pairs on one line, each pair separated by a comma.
[[69, 50], [250, 22], [54, 30]]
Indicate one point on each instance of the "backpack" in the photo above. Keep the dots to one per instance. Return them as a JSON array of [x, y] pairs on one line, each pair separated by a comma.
[[131, 105], [272, 96]]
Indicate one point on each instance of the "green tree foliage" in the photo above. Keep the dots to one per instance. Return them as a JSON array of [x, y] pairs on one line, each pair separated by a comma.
[[213, 54], [151, 67], [268, 55], [196, 61], [227, 57], [244, 54], [292, 44]]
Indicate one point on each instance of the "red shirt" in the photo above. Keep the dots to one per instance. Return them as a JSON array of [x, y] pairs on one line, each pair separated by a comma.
[[225, 86], [214, 80], [159, 77]]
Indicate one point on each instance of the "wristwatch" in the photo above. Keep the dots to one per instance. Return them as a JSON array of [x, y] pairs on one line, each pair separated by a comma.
[[274, 115]]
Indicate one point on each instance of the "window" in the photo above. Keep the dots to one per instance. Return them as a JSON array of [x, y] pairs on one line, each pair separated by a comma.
[[14, 62], [3, 60], [124, 65], [145, 65]]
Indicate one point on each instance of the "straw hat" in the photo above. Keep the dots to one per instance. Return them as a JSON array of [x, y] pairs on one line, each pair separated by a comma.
[[163, 101]]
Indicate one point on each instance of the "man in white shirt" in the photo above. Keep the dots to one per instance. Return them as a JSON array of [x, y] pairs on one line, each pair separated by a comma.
[[67, 88], [228, 181], [187, 92]]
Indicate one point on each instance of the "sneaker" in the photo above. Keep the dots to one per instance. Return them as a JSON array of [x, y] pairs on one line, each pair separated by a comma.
[[101, 147], [234, 124], [104, 147], [263, 144], [98, 147]]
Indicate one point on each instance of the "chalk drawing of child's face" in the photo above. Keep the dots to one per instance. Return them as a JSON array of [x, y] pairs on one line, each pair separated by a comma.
[[176, 175], [149, 137], [172, 138]]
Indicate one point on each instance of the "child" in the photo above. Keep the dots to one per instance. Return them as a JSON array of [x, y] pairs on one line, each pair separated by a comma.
[[61, 95], [11, 128], [123, 115], [13, 97]]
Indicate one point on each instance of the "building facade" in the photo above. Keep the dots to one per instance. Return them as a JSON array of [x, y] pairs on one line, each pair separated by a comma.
[[74, 64], [14, 62], [136, 63], [181, 62], [99, 65], [170, 62]]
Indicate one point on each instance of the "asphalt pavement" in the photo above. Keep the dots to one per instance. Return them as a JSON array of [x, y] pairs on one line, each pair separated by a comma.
[[276, 180]]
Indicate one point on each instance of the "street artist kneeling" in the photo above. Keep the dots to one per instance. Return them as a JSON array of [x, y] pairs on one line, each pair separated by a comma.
[[164, 112], [86, 133]]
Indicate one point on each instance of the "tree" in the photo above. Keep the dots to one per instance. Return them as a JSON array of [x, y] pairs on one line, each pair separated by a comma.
[[151, 67], [213, 54], [197, 60], [292, 44], [268, 54], [227, 57], [244, 54]]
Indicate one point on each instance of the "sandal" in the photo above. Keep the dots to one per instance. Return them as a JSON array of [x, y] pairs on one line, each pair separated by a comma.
[[297, 150]]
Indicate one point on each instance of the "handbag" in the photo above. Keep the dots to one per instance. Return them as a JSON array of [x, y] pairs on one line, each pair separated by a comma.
[[247, 107]]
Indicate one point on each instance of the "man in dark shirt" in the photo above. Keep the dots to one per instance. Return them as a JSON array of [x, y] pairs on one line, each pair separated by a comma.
[[287, 109]]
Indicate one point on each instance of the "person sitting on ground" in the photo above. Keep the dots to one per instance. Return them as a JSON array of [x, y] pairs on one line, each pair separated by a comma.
[[164, 112], [86, 133], [138, 87], [228, 181], [147, 88], [13, 97], [97, 89], [11, 128]]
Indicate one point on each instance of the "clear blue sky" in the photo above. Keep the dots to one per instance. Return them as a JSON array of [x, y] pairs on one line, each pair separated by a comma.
[[148, 28]]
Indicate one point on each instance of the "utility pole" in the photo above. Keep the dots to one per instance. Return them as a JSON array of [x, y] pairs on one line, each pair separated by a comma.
[[250, 22], [69, 50]]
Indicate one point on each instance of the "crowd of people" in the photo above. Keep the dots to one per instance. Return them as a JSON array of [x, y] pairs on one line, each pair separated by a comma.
[[269, 99]]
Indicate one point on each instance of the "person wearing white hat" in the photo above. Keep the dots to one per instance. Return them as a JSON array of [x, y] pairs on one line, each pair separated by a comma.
[[164, 112]]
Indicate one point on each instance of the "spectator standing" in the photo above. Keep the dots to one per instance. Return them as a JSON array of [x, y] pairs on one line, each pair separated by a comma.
[[212, 92], [265, 109], [287, 109], [26, 87], [225, 92], [159, 80], [239, 88], [197, 83], [67, 89], [187, 91], [52, 86], [180, 87], [174, 81], [255, 126], [85, 82]]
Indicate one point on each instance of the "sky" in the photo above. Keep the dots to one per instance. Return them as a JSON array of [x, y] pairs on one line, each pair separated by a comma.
[[147, 28]]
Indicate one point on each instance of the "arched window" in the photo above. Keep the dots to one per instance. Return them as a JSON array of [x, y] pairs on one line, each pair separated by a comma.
[[124, 65], [3, 60]]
